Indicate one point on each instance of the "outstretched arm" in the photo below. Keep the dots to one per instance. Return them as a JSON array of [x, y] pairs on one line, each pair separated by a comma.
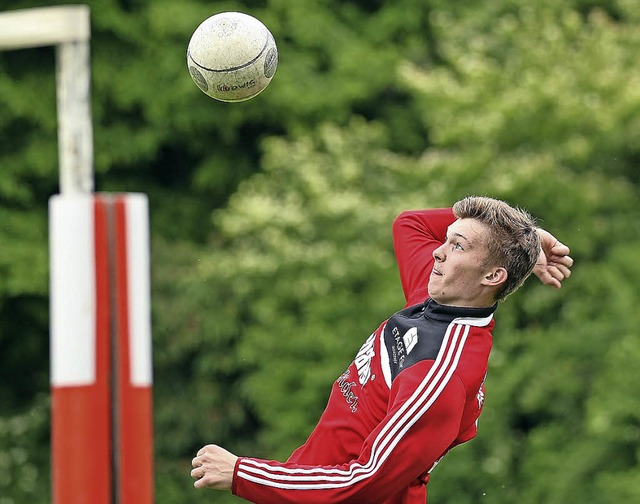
[[554, 263], [425, 411]]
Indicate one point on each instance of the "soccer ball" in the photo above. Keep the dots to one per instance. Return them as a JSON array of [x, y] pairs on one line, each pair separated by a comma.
[[232, 56]]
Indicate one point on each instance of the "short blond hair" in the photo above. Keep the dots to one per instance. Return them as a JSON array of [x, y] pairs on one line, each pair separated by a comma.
[[513, 242]]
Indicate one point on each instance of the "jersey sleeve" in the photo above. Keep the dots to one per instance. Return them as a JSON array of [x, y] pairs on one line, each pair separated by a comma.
[[416, 234], [423, 419]]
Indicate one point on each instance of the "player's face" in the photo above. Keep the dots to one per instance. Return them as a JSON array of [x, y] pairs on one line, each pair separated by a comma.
[[459, 276]]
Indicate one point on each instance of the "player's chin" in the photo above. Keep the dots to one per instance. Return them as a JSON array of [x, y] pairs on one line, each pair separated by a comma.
[[433, 290]]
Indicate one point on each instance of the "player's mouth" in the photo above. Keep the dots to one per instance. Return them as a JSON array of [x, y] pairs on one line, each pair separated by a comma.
[[437, 272]]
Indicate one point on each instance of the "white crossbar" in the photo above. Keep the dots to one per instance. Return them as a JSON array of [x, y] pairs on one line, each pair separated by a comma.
[[44, 26]]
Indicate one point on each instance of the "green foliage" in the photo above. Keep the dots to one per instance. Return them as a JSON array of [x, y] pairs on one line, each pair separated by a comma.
[[24, 475]]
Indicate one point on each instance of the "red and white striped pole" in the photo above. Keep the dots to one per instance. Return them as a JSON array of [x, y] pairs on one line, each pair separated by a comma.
[[100, 328], [101, 369], [133, 382]]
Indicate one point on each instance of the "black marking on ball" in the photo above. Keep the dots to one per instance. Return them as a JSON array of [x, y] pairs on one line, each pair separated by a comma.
[[231, 69], [198, 78], [223, 88], [271, 63]]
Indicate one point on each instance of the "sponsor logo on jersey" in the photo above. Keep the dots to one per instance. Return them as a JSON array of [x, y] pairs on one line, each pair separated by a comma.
[[480, 395], [363, 360], [346, 387], [410, 339], [403, 345], [480, 398]]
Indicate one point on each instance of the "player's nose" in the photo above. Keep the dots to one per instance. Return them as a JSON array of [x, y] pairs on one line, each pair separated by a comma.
[[439, 254]]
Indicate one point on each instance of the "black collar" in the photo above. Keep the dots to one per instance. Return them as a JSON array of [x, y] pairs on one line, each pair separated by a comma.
[[445, 313]]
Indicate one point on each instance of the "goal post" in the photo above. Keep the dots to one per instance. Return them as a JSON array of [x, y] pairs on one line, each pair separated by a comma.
[[100, 328], [101, 364], [68, 28]]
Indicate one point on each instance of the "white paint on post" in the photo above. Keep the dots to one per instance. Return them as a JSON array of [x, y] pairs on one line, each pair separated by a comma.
[[138, 268], [72, 290]]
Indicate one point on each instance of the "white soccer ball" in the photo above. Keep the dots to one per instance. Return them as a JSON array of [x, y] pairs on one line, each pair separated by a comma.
[[232, 56]]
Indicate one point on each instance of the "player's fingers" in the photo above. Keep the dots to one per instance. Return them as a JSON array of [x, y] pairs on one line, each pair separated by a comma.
[[560, 249], [208, 480], [198, 472], [558, 274], [561, 266], [553, 282], [566, 260], [205, 449], [196, 462], [564, 270], [200, 483], [555, 272], [545, 276]]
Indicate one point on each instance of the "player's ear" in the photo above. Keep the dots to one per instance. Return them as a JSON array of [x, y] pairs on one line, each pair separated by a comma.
[[495, 277]]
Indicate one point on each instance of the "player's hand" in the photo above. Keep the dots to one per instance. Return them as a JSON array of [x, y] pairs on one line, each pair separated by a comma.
[[554, 263], [213, 468]]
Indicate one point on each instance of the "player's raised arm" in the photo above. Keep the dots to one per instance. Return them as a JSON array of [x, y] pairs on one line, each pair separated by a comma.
[[416, 234]]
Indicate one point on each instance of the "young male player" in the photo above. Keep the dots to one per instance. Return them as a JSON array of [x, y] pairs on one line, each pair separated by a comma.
[[415, 389]]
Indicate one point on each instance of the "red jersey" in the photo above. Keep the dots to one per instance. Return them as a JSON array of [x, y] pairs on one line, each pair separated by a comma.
[[414, 391]]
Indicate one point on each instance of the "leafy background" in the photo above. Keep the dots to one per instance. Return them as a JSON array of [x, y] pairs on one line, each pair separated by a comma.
[[271, 246]]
